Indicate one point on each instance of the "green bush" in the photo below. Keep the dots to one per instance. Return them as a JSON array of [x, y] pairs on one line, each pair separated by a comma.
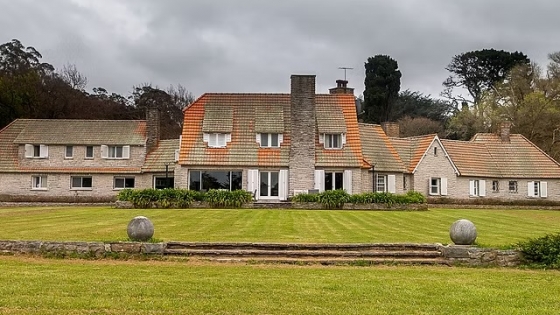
[[333, 199], [542, 251], [125, 194], [306, 198], [227, 199]]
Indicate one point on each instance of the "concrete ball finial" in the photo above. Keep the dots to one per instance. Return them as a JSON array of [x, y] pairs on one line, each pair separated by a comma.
[[140, 229], [463, 232]]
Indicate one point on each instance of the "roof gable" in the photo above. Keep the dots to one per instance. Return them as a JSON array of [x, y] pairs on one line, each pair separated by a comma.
[[378, 149]]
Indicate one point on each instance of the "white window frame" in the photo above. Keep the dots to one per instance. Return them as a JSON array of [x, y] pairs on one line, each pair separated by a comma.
[[112, 152], [329, 141], [513, 184], [66, 149], [36, 151], [437, 186], [477, 188], [268, 136], [268, 186], [333, 174], [92, 152], [124, 179], [81, 187], [217, 140], [383, 179], [537, 189], [39, 182]]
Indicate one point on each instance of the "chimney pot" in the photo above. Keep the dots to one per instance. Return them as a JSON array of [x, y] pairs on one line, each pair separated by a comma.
[[505, 131]]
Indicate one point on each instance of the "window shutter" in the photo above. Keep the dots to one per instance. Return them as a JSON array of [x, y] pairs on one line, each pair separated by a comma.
[[280, 139], [43, 151], [28, 150], [531, 189], [482, 188], [253, 182], [322, 138], [471, 187], [206, 138], [343, 137], [283, 185], [227, 139], [320, 180], [443, 186], [126, 152], [544, 189], [347, 181], [391, 184], [177, 155], [104, 151], [258, 138]]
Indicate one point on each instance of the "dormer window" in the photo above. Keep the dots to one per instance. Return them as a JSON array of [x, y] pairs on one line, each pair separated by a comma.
[[269, 140], [333, 141], [217, 140], [36, 151], [115, 151]]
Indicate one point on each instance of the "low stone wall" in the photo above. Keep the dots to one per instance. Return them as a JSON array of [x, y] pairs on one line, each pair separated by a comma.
[[301, 206], [475, 256], [453, 255]]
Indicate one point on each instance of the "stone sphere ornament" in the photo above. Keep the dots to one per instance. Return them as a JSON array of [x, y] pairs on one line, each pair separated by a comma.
[[140, 229], [463, 232]]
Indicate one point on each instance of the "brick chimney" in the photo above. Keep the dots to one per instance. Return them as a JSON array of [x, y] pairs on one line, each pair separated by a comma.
[[341, 88], [391, 129], [505, 131], [152, 127], [303, 125]]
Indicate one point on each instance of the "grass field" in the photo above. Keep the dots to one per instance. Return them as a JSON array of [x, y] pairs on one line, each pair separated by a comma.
[[31, 285], [495, 227], [42, 286]]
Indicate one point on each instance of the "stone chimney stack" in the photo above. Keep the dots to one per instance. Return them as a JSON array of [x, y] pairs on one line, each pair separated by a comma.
[[302, 140], [341, 88], [391, 129], [152, 127], [505, 131]]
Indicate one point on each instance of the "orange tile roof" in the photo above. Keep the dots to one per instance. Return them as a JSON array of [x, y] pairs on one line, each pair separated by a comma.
[[412, 149], [378, 149], [253, 111], [486, 155]]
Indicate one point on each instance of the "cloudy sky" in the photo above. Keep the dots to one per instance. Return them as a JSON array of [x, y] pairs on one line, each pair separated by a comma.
[[255, 45]]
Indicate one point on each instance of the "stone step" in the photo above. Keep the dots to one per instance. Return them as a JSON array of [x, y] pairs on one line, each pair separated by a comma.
[[327, 261], [302, 253], [291, 246]]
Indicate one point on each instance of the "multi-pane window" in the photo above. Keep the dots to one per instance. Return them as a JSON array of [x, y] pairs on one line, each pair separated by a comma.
[[69, 152], [435, 186], [334, 180], [269, 184], [381, 183], [123, 182], [217, 140], [36, 151], [80, 182], [476, 187], [536, 188], [512, 186], [115, 152], [206, 180], [89, 152], [495, 186], [39, 182], [269, 140], [333, 141], [164, 182]]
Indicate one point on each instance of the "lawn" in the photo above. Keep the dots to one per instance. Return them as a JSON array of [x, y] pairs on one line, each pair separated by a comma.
[[495, 227], [43, 286]]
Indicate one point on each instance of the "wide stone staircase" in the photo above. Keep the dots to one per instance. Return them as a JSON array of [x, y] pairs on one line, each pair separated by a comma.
[[326, 254]]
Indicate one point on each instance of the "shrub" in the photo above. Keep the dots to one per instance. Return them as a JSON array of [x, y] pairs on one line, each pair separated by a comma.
[[144, 198], [333, 199], [125, 194], [542, 251], [227, 199], [306, 198]]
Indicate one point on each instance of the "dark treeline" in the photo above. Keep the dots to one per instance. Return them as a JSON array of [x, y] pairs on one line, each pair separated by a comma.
[[30, 88]]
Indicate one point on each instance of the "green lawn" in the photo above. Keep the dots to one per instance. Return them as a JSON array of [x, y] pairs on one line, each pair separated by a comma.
[[495, 227], [43, 286]]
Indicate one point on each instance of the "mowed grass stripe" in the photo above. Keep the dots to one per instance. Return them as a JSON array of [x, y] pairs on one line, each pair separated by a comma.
[[40, 286], [495, 227]]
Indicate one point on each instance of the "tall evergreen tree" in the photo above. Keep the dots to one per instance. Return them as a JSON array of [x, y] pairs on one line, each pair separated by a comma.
[[382, 85]]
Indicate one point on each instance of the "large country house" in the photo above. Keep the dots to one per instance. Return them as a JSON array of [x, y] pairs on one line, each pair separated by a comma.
[[80, 160], [273, 145]]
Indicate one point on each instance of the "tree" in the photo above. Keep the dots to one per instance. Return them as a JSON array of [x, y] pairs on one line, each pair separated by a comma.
[[417, 126], [382, 85], [478, 71], [415, 104]]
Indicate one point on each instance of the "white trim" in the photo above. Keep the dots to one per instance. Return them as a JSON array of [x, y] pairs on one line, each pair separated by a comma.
[[443, 186], [319, 180], [391, 183], [347, 181]]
